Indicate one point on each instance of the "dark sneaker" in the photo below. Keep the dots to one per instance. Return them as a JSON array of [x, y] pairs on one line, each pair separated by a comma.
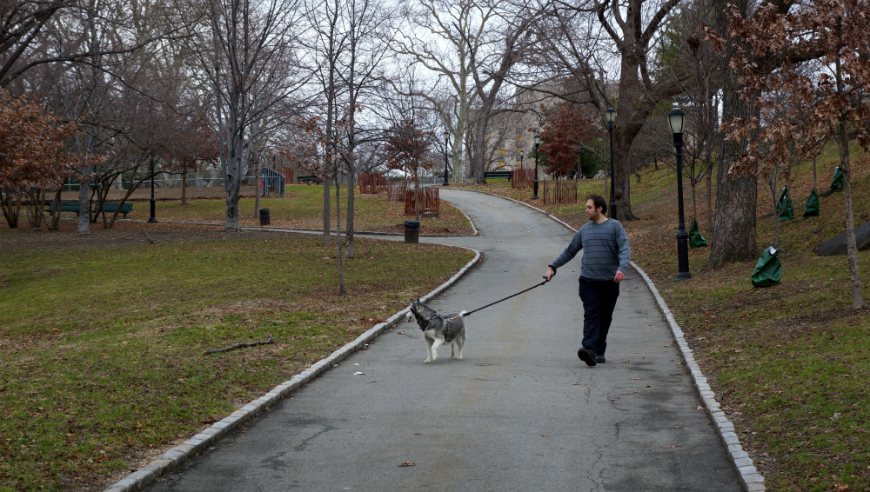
[[586, 356], [600, 359]]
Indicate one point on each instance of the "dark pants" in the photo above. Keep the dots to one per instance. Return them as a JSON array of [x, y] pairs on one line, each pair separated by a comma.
[[599, 299]]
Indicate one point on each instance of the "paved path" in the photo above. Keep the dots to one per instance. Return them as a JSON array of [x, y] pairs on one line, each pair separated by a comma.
[[520, 413]]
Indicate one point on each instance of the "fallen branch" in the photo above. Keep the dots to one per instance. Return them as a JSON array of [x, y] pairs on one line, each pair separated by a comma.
[[238, 346], [151, 239]]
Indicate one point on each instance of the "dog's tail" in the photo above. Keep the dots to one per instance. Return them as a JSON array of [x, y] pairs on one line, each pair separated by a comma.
[[462, 315]]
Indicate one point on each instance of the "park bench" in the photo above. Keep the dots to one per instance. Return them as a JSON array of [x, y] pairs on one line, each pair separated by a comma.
[[497, 175], [107, 207], [64, 207], [307, 179], [110, 208]]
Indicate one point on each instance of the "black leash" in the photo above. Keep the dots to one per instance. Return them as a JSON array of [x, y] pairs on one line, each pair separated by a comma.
[[506, 298]]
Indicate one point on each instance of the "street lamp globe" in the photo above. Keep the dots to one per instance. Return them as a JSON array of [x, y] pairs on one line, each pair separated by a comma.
[[610, 116], [676, 119]]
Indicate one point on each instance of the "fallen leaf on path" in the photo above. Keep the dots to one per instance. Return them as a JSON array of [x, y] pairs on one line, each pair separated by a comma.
[[407, 463], [358, 374], [672, 446], [698, 407], [635, 379]]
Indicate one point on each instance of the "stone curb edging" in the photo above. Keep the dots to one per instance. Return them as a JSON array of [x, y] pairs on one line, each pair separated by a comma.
[[750, 478], [174, 457]]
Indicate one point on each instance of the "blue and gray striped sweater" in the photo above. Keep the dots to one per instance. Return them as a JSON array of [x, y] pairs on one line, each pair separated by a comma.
[[605, 250]]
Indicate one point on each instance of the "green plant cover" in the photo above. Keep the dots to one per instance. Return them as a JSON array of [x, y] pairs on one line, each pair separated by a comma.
[[812, 208], [696, 240], [784, 206], [837, 183], [768, 271]]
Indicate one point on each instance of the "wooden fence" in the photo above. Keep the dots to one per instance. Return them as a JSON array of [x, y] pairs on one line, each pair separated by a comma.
[[562, 191], [372, 184], [396, 190], [289, 175], [522, 178], [430, 200]]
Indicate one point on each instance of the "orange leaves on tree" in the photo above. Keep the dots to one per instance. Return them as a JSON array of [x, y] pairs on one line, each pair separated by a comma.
[[32, 152]]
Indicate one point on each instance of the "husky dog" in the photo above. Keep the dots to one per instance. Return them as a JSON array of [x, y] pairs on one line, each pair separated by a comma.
[[438, 329]]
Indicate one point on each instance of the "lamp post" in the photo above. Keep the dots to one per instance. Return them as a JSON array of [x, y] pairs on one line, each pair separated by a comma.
[[153, 201], [537, 144], [677, 120], [446, 136], [610, 116]]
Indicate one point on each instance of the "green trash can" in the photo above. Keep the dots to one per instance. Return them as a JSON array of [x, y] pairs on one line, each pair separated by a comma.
[[696, 240], [768, 271], [412, 231], [812, 208], [837, 182]]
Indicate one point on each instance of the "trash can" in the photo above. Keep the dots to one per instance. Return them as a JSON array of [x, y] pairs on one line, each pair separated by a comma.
[[412, 231], [264, 216]]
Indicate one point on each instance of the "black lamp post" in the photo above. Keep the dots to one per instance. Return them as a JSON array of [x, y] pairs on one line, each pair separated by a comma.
[[537, 144], [677, 120], [153, 201], [446, 136], [610, 116]]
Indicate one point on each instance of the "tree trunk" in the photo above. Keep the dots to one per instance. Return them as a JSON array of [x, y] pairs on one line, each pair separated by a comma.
[[326, 221], [710, 200], [184, 185], [84, 203], [851, 243], [734, 223], [815, 175], [55, 210], [351, 197], [341, 289]]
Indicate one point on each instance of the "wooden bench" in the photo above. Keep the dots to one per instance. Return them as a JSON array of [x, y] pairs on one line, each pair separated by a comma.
[[497, 175], [307, 179]]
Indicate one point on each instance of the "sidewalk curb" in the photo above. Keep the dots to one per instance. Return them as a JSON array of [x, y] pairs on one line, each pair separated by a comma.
[[750, 478], [176, 456]]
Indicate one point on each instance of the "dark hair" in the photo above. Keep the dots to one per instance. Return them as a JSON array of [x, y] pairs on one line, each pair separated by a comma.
[[598, 202]]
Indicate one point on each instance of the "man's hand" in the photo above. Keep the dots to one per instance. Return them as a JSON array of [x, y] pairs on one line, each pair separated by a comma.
[[619, 277], [550, 273]]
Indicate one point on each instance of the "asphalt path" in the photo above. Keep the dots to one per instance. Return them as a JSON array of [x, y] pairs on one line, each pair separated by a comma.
[[520, 413]]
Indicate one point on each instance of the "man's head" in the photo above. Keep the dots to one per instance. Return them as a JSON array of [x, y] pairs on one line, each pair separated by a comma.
[[596, 207]]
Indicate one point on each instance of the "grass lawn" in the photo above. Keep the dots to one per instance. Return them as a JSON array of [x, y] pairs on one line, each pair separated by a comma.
[[102, 348], [302, 207], [789, 364]]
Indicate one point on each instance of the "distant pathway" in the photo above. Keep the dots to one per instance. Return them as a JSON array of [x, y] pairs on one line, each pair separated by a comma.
[[521, 412]]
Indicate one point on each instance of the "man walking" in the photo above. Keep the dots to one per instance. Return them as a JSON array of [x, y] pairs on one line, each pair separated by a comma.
[[606, 255]]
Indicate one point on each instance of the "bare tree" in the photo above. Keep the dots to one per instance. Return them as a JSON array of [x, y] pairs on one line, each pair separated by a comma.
[[246, 51]]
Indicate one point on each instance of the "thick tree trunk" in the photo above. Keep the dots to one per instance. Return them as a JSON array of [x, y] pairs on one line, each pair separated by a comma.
[[734, 222], [84, 203], [710, 200]]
